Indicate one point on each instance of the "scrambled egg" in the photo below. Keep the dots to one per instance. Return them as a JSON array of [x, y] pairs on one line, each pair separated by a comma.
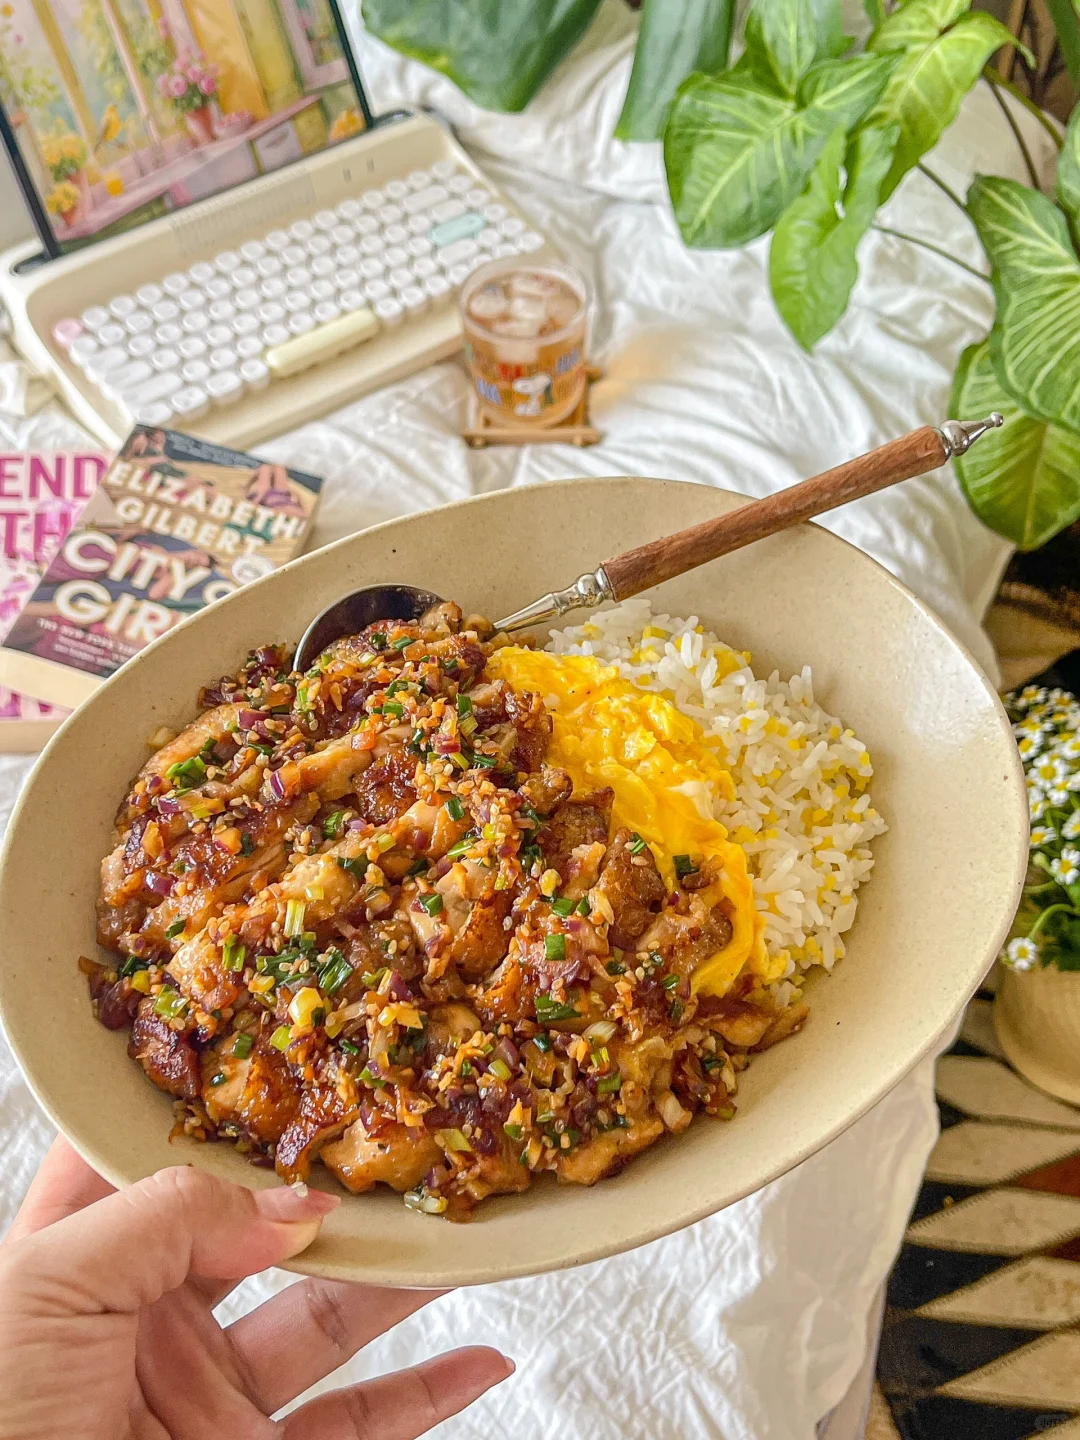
[[664, 775]]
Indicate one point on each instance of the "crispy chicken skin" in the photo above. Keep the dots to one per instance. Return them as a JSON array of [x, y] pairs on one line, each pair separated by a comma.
[[356, 916]]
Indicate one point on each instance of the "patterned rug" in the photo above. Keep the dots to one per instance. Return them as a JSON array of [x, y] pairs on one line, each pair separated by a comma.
[[981, 1339]]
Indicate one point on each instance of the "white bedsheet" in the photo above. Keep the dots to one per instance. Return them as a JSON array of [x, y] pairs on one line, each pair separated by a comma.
[[750, 1325]]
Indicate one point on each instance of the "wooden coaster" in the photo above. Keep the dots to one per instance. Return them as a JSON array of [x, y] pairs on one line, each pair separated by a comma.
[[574, 430]]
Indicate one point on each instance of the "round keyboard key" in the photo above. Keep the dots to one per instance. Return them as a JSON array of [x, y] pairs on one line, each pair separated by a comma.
[[122, 306], [192, 300], [325, 311], [371, 267], [423, 267], [317, 245], [217, 335], [324, 219], [243, 277], [138, 323], [349, 279], [112, 334], [418, 245], [458, 274], [140, 347], [194, 322], [400, 277], [275, 335], [270, 313], [269, 266], [301, 230], [322, 289], [250, 347], [192, 347], [66, 332], [175, 283], [373, 199], [227, 262], [154, 392], [365, 225], [244, 324], [390, 215], [252, 250], [191, 402], [301, 322], [299, 277], [529, 242], [273, 289], [221, 311], [149, 295], [351, 300], [168, 334], [323, 266], [254, 374], [442, 170], [201, 272], [390, 311], [511, 227], [349, 209], [224, 358], [163, 310], [249, 299], [371, 245], [167, 359], [394, 256], [395, 190], [419, 224], [418, 179], [217, 289], [296, 301], [293, 255], [277, 240], [223, 389], [154, 415], [343, 234], [504, 252], [489, 237], [437, 289], [494, 212], [476, 197], [95, 317], [105, 361], [413, 300], [196, 372], [375, 290], [83, 347], [460, 184], [347, 255]]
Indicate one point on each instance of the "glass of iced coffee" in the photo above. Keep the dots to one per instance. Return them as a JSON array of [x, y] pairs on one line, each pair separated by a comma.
[[525, 340]]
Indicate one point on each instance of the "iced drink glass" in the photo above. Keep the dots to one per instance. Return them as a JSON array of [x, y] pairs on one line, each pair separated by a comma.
[[525, 340]]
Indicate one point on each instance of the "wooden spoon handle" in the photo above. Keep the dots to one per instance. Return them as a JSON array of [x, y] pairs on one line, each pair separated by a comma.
[[661, 560]]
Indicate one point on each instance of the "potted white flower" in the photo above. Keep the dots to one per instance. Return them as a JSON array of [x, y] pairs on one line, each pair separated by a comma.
[[1037, 1012]]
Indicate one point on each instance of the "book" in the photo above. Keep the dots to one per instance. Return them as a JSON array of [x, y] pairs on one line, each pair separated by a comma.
[[41, 493], [175, 524]]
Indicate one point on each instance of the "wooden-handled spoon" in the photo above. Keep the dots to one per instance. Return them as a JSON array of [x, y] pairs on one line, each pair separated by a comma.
[[625, 575]]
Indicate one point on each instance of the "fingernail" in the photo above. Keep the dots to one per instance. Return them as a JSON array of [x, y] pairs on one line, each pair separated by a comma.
[[291, 1204], [510, 1366]]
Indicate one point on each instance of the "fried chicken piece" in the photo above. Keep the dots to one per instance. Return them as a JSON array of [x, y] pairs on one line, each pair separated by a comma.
[[606, 1154], [167, 1055], [633, 887], [571, 823], [395, 1155]]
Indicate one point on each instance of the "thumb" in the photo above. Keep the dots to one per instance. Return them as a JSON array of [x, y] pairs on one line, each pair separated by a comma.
[[130, 1249]]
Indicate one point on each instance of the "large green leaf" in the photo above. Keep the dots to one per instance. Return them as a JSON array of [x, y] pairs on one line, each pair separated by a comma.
[[1066, 17], [916, 23], [676, 37], [1068, 173], [1024, 479], [498, 51], [782, 41], [737, 154], [924, 95], [1035, 342], [812, 265]]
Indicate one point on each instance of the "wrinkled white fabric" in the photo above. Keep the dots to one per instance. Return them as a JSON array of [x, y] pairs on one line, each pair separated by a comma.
[[750, 1325]]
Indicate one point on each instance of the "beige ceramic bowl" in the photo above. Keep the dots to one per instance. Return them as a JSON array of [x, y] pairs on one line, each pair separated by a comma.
[[945, 886]]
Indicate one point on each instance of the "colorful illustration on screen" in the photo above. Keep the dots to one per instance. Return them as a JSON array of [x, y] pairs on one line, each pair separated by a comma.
[[124, 110]]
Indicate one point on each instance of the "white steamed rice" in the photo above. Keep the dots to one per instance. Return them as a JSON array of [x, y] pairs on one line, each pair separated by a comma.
[[802, 811]]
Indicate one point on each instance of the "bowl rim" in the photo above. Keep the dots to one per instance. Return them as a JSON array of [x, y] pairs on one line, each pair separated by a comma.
[[313, 1262]]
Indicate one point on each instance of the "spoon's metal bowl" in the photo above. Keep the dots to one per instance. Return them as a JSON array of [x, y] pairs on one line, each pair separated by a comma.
[[353, 612]]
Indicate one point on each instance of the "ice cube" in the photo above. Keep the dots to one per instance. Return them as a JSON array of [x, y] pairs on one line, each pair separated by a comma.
[[487, 304], [517, 329], [529, 309]]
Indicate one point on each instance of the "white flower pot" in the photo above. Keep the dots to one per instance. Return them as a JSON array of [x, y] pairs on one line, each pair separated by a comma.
[[1037, 1019]]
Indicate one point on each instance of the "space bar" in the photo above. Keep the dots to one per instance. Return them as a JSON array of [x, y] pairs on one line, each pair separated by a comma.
[[322, 343]]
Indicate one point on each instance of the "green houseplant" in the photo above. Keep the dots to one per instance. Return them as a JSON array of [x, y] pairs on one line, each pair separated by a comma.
[[806, 136]]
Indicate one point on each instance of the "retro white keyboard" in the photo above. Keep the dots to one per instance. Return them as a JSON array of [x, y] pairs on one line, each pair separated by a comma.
[[277, 322]]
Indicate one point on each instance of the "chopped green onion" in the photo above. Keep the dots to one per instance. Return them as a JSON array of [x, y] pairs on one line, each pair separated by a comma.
[[302, 698], [500, 1069], [677, 1009], [418, 866], [615, 967], [455, 809], [542, 1042], [394, 708], [416, 744], [378, 639], [294, 918], [529, 855], [176, 928], [280, 1038], [549, 1011], [370, 1078], [546, 1118], [460, 759], [242, 1045], [457, 1140], [467, 725], [396, 686], [683, 866], [332, 824], [135, 962], [485, 762], [170, 1004], [357, 867], [555, 947], [464, 705], [233, 953], [608, 1084], [450, 666], [653, 960], [584, 908], [709, 1063], [373, 978], [185, 774], [349, 1047], [563, 906], [637, 844], [334, 973], [466, 1068], [670, 981], [219, 1078], [402, 642], [247, 845], [532, 816], [463, 846], [432, 903], [515, 1132]]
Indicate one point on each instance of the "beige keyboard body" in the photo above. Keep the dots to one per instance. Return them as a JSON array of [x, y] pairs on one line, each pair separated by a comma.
[[40, 297]]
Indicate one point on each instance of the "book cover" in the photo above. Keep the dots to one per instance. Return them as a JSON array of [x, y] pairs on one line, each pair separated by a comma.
[[175, 524], [41, 492]]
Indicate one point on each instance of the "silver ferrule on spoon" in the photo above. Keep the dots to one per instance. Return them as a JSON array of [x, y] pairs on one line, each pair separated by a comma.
[[594, 587]]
